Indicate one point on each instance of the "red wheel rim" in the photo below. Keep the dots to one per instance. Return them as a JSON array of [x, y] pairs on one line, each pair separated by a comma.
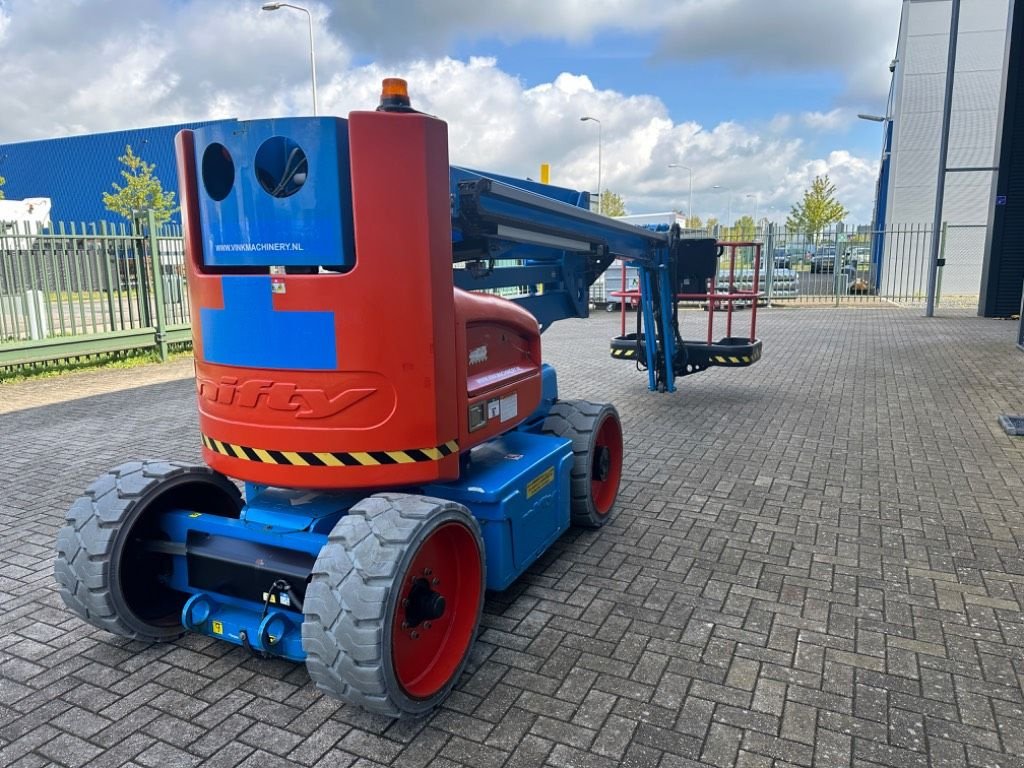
[[427, 655], [604, 491]]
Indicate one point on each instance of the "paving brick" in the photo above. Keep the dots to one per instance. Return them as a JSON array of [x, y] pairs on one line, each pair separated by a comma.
[[121, 752], [722, 745], [614, 736], [422, 750], [471, 753], [530, 752], [161, 755], [69, 750]]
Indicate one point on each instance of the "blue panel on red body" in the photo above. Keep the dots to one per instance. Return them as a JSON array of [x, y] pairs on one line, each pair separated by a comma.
[[275, 192], [249, 332]]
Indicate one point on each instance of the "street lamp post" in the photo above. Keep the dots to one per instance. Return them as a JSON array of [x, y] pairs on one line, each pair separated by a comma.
[[729, 207], [757, 203], [689, 205], [600, 196], [312, 50]]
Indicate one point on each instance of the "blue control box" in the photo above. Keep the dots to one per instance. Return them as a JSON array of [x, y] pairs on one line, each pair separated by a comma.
[[275, 193], [517, 487]]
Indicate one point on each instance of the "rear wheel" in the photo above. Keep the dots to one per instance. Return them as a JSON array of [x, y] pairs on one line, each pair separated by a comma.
[[394, 602], [596, 434], [107, 571]]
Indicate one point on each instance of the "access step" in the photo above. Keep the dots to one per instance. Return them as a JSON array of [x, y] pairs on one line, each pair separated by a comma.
[[730, 352]]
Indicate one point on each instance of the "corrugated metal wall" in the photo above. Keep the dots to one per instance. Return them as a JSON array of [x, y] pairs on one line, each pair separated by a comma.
[[917, 112], [75, 171]]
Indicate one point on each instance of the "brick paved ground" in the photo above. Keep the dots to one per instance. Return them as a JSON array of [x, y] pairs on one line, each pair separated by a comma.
[[815, 561]]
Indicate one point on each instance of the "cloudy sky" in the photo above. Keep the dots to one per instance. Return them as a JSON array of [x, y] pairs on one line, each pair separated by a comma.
[[756, 97]]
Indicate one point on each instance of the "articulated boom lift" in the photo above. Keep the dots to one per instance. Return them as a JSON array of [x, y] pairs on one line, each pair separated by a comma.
[[401, 443]]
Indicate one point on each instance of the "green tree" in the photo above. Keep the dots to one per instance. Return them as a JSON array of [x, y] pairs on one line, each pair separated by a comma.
[[2, 182], [817, 210], [743, 229], [141, 191], [694, 222], [612, 204], [711, 223]]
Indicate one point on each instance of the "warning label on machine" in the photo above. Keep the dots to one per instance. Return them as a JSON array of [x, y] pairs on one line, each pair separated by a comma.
[[541, 481], [509, 406]]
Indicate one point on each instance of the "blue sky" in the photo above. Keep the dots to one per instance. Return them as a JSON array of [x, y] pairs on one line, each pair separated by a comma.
[[709, 90], [756, 97]]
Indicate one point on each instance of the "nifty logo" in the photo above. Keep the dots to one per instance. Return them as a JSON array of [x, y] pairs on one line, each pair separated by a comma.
[[304, 402]]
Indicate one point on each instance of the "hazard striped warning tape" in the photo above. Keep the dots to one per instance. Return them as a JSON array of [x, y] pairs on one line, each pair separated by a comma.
[[332, 458], [725, 360], [631, 352]]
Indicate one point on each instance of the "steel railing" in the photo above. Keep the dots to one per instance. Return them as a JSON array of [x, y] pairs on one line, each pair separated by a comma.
[[848, 264], [73, 290]]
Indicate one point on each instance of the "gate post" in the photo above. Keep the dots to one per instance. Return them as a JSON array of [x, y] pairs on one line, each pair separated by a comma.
[[837, 266], [160, 321], [142, 271], [941, 263]]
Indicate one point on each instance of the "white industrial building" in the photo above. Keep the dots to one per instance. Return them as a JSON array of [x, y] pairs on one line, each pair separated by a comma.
[[916, 106]]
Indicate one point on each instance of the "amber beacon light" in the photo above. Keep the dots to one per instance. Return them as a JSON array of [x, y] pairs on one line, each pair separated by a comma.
[[394, 95]]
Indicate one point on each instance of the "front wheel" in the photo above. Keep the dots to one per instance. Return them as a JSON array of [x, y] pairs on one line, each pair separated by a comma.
[[596, 435], [393, 604]]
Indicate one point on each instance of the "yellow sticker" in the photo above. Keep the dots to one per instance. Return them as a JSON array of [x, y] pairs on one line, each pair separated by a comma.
[[196, 514], [545, 478], [218, 628]]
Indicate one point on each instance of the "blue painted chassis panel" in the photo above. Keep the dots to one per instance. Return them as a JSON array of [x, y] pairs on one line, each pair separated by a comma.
[[516, 486]]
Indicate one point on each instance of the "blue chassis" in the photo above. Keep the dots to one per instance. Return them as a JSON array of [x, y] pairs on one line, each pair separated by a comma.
[[516, 486]]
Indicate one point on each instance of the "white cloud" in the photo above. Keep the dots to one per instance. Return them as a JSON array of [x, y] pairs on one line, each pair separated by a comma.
[[496, 123], [832, 120], [239, 62]]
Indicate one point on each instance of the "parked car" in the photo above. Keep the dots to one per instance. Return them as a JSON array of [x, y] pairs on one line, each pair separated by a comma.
[[782, 284], [781, 259], [825, 259]]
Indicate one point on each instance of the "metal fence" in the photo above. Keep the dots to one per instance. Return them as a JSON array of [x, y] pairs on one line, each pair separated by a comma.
[[74, 290], [77, 290], [847, 264]]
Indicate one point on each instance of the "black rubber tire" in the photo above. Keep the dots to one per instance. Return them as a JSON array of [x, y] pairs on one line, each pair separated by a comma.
[[101, 576], [351, 600], [579, 421]]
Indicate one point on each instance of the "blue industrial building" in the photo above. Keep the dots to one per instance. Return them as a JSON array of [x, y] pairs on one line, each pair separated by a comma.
[[75, 171]]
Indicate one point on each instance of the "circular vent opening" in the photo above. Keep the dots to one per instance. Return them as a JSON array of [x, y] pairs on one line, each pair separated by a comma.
[[218, 171], [281, 166]]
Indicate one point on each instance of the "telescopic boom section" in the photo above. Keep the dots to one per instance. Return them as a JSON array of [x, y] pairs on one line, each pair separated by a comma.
[[510, 234]]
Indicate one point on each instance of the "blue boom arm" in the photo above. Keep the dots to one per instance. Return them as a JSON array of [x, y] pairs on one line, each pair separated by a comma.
[[543, 248]]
